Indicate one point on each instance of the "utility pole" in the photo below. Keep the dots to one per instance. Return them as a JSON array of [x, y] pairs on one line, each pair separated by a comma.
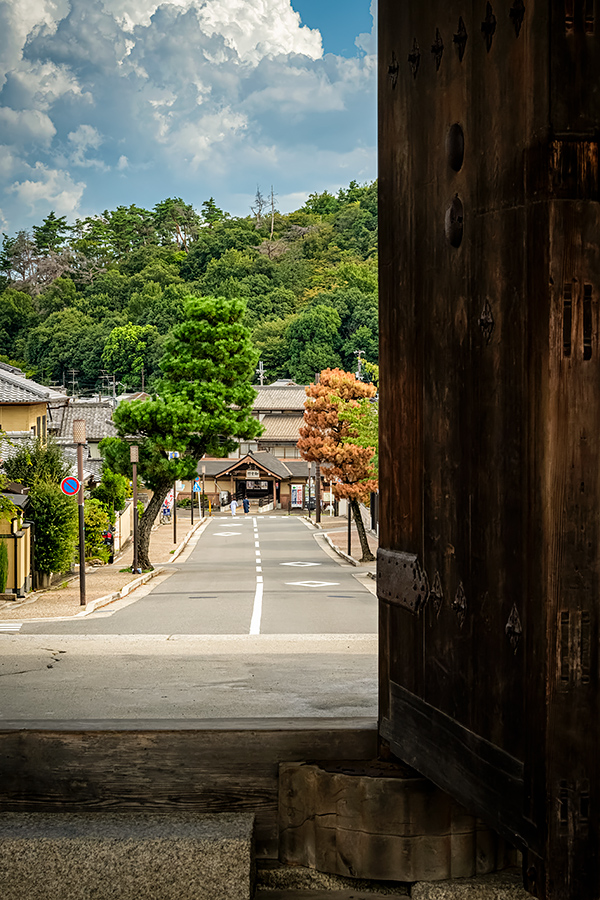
[[261, 373], [72, 373], [272, 212], [359, 354]]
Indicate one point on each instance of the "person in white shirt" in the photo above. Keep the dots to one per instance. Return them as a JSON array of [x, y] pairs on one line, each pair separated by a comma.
[[233, 506]]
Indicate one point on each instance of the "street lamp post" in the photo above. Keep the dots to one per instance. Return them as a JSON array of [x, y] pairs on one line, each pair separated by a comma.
[[134, 456], [79, 439], [203, 485]]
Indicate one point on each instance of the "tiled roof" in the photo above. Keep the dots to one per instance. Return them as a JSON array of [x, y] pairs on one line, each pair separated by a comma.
[[279, 397], [97, 417], [298, 467], [281, 428], [12, 444], [216, 467], [16, 388]]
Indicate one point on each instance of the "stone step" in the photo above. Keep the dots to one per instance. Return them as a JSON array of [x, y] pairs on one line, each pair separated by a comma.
[[326, 895], [498, 886], [126, 856]]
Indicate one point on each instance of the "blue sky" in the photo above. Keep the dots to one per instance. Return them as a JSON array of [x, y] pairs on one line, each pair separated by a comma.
[[339, 22], [108, 102]]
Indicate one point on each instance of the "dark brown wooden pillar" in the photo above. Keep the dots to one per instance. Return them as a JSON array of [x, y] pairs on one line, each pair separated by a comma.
[[489, 565]]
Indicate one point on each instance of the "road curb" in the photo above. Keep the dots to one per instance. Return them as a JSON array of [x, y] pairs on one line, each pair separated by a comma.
[[340, 552], [142, 579]]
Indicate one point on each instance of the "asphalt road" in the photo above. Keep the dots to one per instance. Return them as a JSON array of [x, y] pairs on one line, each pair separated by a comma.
[[257, 618], [246, 575]]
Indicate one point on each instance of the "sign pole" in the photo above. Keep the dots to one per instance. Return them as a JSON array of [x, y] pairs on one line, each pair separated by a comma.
[[79, 439], [192, 523], [174, 512]]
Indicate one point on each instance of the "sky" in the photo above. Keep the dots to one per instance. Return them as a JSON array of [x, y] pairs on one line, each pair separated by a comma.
[[113, 102]]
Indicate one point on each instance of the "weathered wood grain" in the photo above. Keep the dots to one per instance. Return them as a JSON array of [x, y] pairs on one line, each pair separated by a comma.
[[490, 414], [207, 766]]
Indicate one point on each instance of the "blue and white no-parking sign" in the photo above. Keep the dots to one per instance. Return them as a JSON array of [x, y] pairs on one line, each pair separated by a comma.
[[69, 486]]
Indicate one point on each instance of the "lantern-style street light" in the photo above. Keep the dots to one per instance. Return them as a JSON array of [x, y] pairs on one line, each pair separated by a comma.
[[134, 457], [80, 440]]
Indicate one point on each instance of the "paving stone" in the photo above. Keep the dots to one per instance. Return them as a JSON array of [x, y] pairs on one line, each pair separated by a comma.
[[125, 856], [499, 886]]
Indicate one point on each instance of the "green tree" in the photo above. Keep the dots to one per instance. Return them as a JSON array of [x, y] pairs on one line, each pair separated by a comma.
[[50, 235], [96, 521], [130, 227], [37, 460], [211, 213], [17, 316], [130, 351], [56, 529], [312, 342], [176, 221], [269, 338], [203, 403], [112, 491]]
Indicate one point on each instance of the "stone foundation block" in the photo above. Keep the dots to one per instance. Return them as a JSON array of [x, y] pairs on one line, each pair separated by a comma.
[[379, 821]]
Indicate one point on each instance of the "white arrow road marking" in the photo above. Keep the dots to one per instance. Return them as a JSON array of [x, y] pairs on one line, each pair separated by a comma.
[[227, 533], [300, 564], [312, 584], [10, 627]]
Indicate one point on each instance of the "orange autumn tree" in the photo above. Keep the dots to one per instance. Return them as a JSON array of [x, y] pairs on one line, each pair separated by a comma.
[[327, 438]]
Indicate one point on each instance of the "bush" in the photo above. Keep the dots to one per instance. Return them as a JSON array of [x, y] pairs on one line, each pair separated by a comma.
[[97, 520], [37, 460], [55, 518], [3, 566]]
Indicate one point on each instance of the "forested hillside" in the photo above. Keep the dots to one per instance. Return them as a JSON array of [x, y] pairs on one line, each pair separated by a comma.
[[100, 296]]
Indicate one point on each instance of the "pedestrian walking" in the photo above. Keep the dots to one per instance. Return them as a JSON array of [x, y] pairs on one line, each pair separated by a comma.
[[246, 504], [233, 506]]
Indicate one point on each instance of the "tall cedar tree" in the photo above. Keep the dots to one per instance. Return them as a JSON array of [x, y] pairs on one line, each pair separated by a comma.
[[326, 437], [203, 402]]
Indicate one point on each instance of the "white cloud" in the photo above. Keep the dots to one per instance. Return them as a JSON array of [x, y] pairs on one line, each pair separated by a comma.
[[8, 161], [258, 29], [214, 95], [85, 138], [20, 126], [368, 41], [49, 188]]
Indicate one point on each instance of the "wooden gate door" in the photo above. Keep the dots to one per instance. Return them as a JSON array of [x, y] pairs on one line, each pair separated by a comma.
[[488, 572]]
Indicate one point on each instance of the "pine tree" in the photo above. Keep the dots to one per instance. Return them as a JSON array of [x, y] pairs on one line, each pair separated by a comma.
[[203, 402]]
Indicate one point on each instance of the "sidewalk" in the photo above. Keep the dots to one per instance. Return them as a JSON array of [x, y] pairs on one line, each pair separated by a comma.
[[62, 600], [336, 527]]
